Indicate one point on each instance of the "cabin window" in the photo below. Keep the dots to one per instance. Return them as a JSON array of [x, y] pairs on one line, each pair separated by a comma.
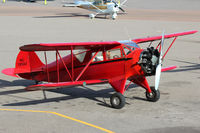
[[98, 2], [80, 55], [98, 57], [113, 54], [106, 1], [127, 51]]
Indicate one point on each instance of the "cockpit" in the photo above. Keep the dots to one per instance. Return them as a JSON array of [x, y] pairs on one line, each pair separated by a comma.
[[101, 2], [108, 54], [129, 46]]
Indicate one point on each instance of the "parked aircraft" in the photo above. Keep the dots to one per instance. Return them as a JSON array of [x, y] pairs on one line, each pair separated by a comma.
[[112, 62], [110, 7]]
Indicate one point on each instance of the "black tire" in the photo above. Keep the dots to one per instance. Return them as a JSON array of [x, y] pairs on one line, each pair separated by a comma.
[[154, 96], [117, 100]]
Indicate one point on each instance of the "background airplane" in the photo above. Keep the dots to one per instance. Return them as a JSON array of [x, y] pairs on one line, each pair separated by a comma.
[[107, 7], [112, 62]]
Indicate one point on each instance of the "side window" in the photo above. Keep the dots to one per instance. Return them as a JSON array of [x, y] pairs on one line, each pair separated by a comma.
[[98, 2], [99, 56], [127, 51], [113, 54], [80, 55]]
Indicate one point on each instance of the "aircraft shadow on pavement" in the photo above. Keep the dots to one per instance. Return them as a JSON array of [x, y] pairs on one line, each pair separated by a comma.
[[61, 15], [70, 92], [19, 82], [190, 67], [4, 83]]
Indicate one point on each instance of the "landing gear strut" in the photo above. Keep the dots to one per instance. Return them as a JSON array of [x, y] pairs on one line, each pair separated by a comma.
[[114, 16], [117, 100], [154, 95]]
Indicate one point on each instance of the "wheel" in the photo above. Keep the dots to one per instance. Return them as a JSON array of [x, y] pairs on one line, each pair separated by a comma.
[[91, 16], [114, 16], [154, 95], [117, 100]]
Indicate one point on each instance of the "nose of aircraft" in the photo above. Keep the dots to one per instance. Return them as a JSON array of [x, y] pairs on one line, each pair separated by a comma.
[[149, 60], [113, 8]]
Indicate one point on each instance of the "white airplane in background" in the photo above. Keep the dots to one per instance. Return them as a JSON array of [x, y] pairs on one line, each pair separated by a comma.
[[110, 7]]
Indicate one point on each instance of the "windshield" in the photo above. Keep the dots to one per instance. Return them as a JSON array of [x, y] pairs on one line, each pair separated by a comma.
[[129, 43]]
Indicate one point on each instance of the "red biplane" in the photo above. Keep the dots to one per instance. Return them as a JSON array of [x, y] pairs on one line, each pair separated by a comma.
[[95, 62]]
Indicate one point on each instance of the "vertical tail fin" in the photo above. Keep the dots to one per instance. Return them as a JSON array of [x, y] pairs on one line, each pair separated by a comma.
[[27, 62]]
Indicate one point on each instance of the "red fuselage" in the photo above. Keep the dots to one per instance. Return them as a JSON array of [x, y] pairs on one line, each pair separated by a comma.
[[126, 66]]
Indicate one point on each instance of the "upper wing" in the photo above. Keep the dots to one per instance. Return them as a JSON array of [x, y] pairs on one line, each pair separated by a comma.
[[69, 46], [148, 39], [96, 7]]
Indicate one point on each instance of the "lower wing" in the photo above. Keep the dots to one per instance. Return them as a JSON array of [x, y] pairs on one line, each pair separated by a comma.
[[168, 68], [49, 86]]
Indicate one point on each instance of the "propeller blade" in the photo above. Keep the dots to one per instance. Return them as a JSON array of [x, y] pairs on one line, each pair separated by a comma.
[[157, 77], [123, 2], [162, 42], [159, 67], [122, 9], [115, 3]]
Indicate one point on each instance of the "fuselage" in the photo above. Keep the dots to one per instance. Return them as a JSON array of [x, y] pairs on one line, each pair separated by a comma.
[[100, 6]]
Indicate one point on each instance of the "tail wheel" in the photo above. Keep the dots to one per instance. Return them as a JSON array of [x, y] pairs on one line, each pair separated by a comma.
[[154, 95], [117, 100]]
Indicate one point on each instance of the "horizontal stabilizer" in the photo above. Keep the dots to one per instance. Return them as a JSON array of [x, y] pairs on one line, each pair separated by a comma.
[[168, 68], [9, 72], [49, 86]]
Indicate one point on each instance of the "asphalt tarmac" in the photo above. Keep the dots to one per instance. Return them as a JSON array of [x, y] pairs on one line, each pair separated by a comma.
[[87, 109]]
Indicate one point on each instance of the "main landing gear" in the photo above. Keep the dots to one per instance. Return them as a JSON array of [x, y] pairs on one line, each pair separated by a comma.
[[117, 100], [154, 95]]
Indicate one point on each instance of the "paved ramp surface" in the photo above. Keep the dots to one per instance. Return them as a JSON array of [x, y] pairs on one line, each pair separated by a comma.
[[178, 109]]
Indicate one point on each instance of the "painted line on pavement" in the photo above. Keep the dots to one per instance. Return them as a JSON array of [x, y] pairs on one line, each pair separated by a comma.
[[61, 115]]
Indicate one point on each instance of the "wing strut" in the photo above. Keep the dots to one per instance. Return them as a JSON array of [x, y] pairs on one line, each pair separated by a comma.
[[169, 47], [57, 64], [86, 66], [65, 66], [72, 63], [45, 55]]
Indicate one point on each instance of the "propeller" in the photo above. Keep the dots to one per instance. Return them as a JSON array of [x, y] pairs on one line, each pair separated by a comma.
[[158, 68], [121, 9], [119, 6]]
